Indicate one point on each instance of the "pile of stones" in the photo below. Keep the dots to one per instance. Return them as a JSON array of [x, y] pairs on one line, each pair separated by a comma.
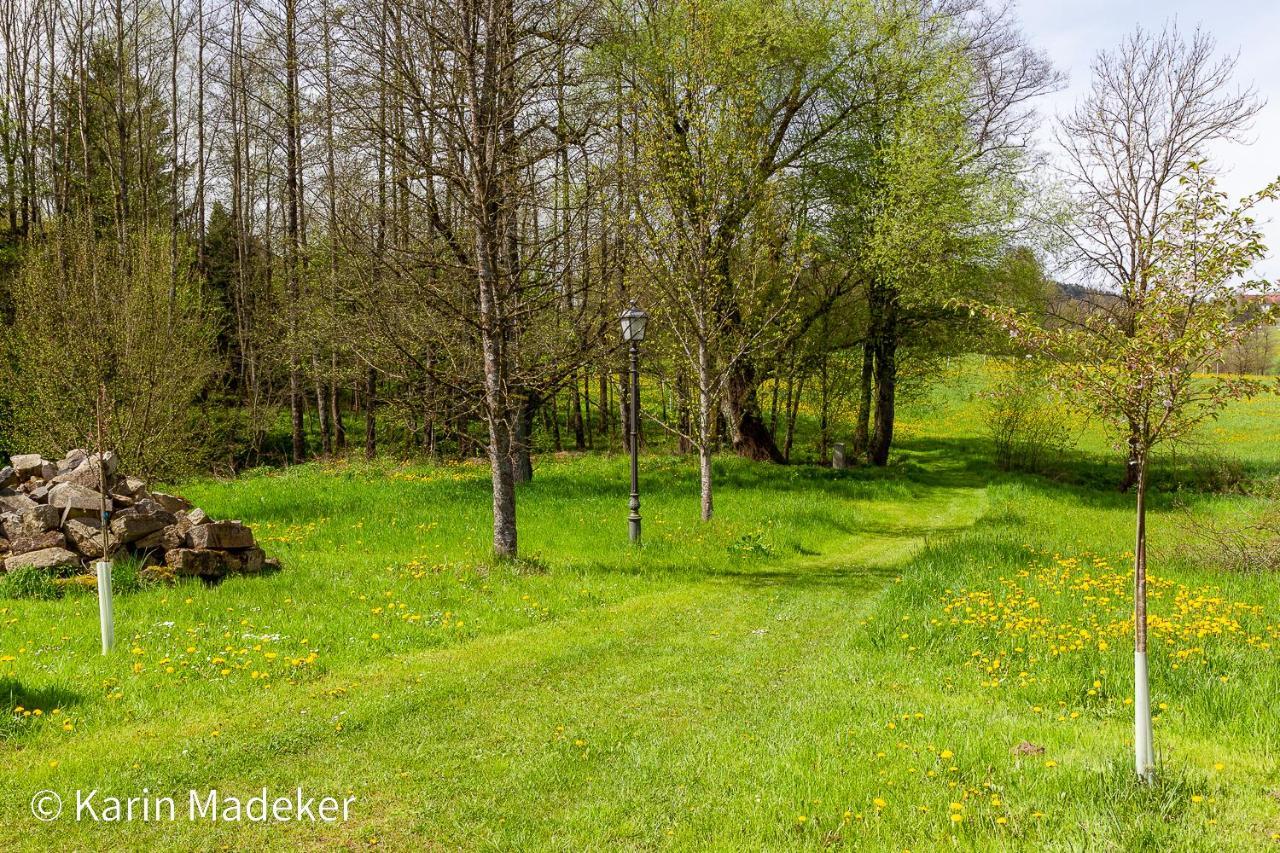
[[51, 519]]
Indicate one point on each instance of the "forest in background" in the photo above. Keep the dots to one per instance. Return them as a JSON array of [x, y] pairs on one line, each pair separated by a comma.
[[265, 231], [423, 219]]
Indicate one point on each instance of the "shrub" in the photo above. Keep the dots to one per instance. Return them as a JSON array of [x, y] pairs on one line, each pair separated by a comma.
[[1025, 420], [87, 312], [1248, 546], [1251, 547], [1213, 473]]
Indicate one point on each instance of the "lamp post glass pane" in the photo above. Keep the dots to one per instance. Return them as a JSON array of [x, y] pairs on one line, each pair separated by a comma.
[[633, 323]]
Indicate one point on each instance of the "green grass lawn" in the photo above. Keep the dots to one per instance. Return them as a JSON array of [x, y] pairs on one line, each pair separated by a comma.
[[840, 659]]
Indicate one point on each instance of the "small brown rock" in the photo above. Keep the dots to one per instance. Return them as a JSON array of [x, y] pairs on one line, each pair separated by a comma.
[[250, 561], [190, 562], [221, 535]]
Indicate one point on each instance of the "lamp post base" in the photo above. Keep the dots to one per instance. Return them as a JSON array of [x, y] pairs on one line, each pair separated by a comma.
[[634, 523]]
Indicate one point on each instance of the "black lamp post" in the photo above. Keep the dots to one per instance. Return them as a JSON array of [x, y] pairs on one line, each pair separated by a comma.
[[633, 323]]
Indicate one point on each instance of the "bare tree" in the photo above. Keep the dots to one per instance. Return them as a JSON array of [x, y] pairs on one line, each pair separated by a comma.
[[1156, 104]]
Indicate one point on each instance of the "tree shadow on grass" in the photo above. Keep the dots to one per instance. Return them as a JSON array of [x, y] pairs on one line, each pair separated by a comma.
[[46, 697], [853, 578]]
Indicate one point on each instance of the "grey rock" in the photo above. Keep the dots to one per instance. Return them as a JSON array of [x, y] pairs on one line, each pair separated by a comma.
[[27, 465], [50, 559], [30, 522], [90, 472], [8, 477], [84, 536], [171, 537], [40, 542], [72, 460], [72, 496], [172, 503], [143, 518], [15, 503], [131, 487]]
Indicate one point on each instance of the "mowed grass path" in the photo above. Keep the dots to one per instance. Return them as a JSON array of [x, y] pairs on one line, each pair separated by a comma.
[[626, 699], [842, 659]]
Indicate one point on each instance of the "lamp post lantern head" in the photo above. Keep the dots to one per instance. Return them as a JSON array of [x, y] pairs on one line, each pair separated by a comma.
[[633, 323]]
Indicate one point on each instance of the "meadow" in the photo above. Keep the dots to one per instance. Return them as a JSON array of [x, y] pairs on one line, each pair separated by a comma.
[[933, 656]]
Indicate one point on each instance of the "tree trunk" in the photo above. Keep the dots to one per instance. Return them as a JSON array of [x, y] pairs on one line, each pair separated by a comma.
[[335, 408], [750, 434], [886, 379], [293, 218], [824, 412], [603, 395], [794, 392], [298, 443], [684, 417], [322, 414], [1144, 750], [371, 414], [575, 416], [1130, 478], [862, 420], [706, 415], [502, 475], [551, 415], [521, 460], [587, 421]]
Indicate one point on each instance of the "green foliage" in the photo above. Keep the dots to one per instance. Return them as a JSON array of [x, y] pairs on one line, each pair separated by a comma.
[[89, 314], [751, 544], [29, 582], [1141, 372], [1024, 418], [126, 574]]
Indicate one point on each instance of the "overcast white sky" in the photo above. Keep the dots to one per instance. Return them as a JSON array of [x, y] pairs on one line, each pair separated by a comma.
[[1073, 31]]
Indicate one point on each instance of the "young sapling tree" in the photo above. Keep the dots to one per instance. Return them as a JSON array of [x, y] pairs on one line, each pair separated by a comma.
[[1145, 376]]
